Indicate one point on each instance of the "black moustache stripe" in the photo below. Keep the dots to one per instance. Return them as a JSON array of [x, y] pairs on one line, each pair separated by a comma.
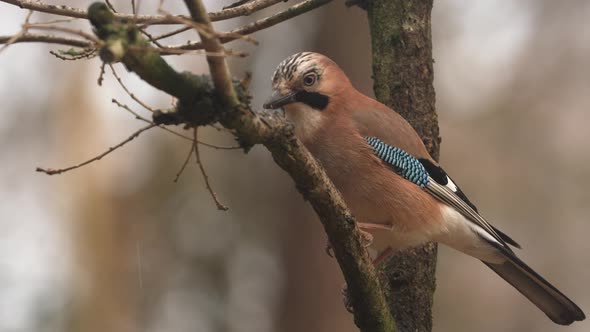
[[314, 100]]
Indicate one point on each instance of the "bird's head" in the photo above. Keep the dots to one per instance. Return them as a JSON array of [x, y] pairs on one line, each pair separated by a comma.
[[308, 79], [305, 85]]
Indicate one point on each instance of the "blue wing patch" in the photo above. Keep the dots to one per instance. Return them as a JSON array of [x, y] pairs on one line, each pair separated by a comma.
[[420, 172], [402, 162]]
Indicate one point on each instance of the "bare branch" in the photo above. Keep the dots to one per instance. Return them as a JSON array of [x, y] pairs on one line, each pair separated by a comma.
[[172, 33], [51, 39], [208, 31], [71, 55], [178, 51], [30, 37], [56, 21], [205, 177], [186, 160], [219, 70], [62, 10], [139, 117], [50, 171], [111, 7], [63, 29], [101, 74], [137, 100], [151, 38], [298, 9], [22, 32]]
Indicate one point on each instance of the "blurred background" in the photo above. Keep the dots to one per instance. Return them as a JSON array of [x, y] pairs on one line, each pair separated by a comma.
[[118, 246]]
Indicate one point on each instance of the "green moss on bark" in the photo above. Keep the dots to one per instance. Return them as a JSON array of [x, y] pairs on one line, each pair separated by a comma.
[[403, 74]]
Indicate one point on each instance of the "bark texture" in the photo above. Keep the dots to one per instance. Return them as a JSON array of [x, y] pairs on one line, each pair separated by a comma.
[[199, 104], [403, 78]]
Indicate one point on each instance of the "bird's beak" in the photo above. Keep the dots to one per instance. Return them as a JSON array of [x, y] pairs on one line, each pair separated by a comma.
[[277, 99]]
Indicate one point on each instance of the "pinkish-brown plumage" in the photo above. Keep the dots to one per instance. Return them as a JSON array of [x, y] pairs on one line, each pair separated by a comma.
[[332, 119]]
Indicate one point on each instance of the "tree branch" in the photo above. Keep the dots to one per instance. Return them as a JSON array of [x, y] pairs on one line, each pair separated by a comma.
[[51, 171], [298, 9], [403, 75], [62, 10], [198, 105], [219, 70], [31, 37]]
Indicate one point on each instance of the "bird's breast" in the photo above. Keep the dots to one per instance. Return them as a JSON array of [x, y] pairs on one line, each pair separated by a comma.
[[374, 192], [307, 121]]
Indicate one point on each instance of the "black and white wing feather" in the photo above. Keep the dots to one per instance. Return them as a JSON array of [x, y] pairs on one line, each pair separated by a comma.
[[435, 180]]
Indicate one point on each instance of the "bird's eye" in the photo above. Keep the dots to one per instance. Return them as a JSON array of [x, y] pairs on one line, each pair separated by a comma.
[[310, 79]]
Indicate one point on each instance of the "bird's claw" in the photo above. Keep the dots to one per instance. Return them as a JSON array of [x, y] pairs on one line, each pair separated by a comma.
[[366, 237], [329, 250]]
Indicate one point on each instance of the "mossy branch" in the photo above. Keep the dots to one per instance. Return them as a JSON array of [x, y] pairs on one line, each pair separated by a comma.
[[200, 104], [403, 73]]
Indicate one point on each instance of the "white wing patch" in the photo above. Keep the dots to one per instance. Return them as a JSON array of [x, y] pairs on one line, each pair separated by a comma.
[[464, 235], [444, 193], [451, 185]]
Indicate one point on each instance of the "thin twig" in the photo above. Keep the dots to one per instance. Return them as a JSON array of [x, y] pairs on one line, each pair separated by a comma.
[[296, 10], [56, 21], [237, 3], [110, 5], [175, 50], [217, 66], [151, 38], [144, 105], [139, 117], [21, 33], [160, 5], [69, 56], [186, 160], [51, 171], [68, 11], [225, 53], [172, 33], [29, 37], [101, 75], [63, 29], [218, 147], [205, 177], [206, 30], [135, 9], [200, 27]]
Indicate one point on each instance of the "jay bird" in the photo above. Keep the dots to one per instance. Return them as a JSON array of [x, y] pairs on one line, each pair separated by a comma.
[[388, 179]]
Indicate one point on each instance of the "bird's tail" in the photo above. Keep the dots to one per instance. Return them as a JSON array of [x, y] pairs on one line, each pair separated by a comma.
[[558, 307]]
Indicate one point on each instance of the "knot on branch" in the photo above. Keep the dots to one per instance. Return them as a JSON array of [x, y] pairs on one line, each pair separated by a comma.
[[198, 102], [204, 106], [116, 34], [100, 15]]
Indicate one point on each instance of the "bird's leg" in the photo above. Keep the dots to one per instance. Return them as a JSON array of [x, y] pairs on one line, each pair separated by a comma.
[[366, 236], [329, 249], [382, 257]]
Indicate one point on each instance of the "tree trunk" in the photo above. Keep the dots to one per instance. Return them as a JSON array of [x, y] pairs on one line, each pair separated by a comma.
[[403, 76]]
